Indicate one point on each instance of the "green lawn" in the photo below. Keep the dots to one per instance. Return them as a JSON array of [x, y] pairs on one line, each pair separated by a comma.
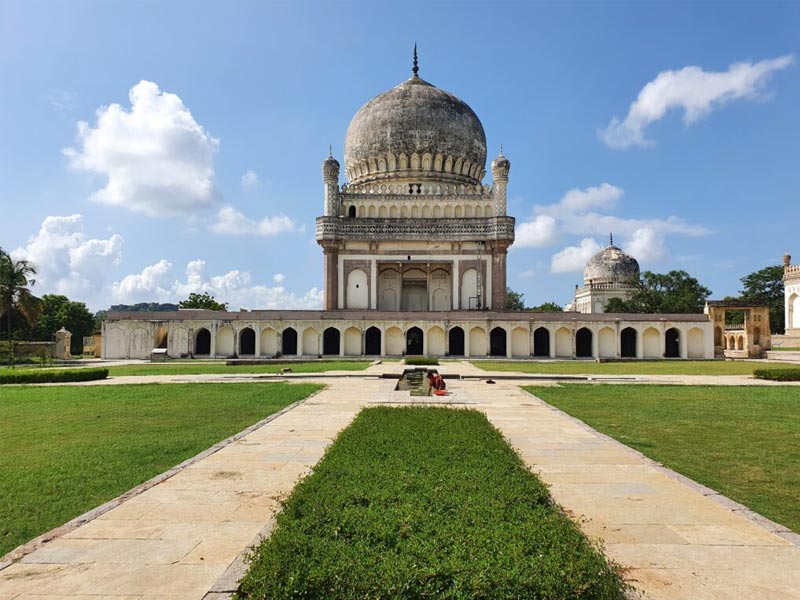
[[741, 441], [647, 367], [425, 503], [65, 450], [216, 368]]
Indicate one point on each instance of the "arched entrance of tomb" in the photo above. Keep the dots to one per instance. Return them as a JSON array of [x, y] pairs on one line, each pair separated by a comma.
[[436, 341], [351, 212], [627, 342], [541, 342], [224, 345], [456, 341], [563, 343], [794, 312], [160, 338], [331, 339], [651, 343], [289, 342], [414, 342], [202, 342], [672, 346], [415, 291], [497, 342], [583, 343], [520, 342], [352, 341], [695, 343], [247, 341], [372, 341], [357, 292]]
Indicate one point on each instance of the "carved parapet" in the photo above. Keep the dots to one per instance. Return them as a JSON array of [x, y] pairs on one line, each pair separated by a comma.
[[402, 191], [489, 229], [791, 273]]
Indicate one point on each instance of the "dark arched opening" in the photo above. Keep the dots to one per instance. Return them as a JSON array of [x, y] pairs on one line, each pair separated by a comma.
[[414, 342], [202, 342], [672, 346], [351, 212], [247, 341], [456, 341], [331, 341], [627, 342], [541, 342], [497, 342], [583, 343], [372, 342], [289, 342]]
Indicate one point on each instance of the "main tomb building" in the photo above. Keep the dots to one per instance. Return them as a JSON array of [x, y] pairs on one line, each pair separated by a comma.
[[414, 262]]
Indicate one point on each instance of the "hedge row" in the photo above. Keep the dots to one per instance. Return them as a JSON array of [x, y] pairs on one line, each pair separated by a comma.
[[52, 375], [421, 360], [788, 374]]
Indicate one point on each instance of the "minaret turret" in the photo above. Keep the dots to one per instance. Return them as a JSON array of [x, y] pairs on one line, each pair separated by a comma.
[[500, 168], [330, 177]]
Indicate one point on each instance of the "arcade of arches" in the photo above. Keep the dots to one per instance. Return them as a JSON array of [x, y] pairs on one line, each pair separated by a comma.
[[478, 338]]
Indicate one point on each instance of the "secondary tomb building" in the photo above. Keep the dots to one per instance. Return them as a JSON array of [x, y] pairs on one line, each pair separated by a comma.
[[414, 247]]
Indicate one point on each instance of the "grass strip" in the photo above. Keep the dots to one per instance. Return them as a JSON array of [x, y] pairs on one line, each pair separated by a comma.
[[425, 503], [743, 442], [65, 450], [51, 375], [640, 367], [218, 368]]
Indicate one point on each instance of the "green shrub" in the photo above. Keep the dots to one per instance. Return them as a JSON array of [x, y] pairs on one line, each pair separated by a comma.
[[52, 375], [787, 374], [425, 503], [421, 360]]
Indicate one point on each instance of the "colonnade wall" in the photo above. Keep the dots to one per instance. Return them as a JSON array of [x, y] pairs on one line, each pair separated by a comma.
[[471, 337]]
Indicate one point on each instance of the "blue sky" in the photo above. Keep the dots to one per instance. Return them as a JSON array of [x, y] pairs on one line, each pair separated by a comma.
[[207, 176]]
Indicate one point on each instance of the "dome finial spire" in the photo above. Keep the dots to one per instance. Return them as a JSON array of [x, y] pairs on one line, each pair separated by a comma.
[[611, 239], [415, 68], [330, 150]]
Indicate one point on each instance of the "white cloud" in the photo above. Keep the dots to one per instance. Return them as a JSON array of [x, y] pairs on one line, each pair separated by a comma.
[[541, 231], [696, 91], [574, 258], [279, 278], [157, 283], [157, 159], [66, 260], [646, 244], [250, 180], [232, 222]]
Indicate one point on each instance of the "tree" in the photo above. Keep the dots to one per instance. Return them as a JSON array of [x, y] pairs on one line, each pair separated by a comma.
[[547, 307], [675, 292], [16, 276], [60, 311], [514, 300], [766, 285], [204, 300]]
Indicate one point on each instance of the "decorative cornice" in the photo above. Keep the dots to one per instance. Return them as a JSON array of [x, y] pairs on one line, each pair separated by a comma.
[[340, 228]]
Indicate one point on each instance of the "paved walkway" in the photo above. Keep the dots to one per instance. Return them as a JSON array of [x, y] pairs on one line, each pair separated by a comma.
[[181, 539]]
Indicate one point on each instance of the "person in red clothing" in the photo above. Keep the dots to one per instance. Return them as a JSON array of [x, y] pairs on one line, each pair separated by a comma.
[[435, 381]]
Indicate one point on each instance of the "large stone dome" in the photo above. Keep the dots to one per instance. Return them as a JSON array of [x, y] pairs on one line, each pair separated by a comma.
[[415, 132], [611, 265]]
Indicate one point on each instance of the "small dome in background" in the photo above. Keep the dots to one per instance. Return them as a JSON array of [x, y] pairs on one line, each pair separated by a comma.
[[611, 265]]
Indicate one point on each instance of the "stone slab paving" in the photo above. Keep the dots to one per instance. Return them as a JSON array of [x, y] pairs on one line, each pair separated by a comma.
[[184, 537]]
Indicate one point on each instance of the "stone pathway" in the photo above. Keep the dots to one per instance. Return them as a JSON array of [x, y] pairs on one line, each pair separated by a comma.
[[184, 537]]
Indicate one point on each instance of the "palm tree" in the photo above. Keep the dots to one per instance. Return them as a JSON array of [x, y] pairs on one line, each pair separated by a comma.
[[15, 279]]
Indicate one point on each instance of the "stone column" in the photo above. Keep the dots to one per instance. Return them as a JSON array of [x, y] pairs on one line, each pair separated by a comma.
[[257, 330], [508, 343], [640, 342], [595, 344], [499, 277], [331, 275], [456, 276], [373, 285], [552, 331]]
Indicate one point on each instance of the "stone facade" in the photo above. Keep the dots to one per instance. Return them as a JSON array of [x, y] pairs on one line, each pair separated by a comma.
[[474, 334], [749, 339], [414, 252], [791, 280]]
